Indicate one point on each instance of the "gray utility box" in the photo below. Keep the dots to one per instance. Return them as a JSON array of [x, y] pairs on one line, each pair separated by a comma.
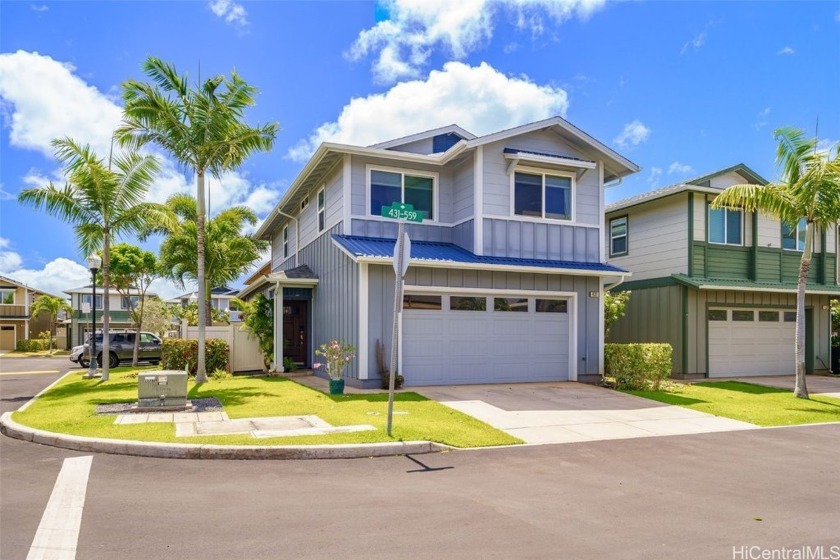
[[162, 389]]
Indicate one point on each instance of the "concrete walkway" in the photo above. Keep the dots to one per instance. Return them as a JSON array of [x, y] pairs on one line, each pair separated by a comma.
[[543, 413]]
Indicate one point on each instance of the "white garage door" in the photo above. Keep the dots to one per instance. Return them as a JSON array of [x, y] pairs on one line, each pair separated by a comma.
[[462, 339], [751, 342]]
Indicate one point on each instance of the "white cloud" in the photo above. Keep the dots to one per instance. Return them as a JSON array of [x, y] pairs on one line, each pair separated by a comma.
[[230, 11], [761, 118], [9, 260], [698, 41], [403, 43], [680, 168], [47, 100], [655, 175], [786, 51], [828, 146], [634, 133], [495, 102], [37, 8], [56, 276]]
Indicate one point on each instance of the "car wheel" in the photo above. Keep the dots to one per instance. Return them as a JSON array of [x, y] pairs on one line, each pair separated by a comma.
[[154, 362], [113, 360], [84, 364]]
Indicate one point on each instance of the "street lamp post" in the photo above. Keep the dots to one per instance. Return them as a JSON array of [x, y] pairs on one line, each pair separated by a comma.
[[93, 262]]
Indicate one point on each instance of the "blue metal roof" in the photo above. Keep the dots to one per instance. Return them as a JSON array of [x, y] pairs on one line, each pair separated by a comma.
[[379, 247], [546, 154]]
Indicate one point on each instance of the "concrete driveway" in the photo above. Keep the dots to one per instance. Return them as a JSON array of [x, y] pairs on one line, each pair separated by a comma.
[[542, 413]]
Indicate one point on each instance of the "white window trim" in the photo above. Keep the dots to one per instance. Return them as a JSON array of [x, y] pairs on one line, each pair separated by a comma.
[[796, 237], [82, 300], [285, 242], [626, 237], [124, 298], [405, 171], [14, 296], [304, 204], [318, 210], [543, 172], [709, 228]]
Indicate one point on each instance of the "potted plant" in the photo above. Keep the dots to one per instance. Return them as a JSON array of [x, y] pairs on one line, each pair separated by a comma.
[[337, 356]]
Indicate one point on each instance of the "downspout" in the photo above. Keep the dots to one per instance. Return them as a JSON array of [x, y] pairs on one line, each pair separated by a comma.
[[611, 286], [614, 183], [297, 233]]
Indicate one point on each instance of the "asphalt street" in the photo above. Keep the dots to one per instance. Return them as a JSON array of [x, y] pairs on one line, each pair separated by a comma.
[[691, 497]]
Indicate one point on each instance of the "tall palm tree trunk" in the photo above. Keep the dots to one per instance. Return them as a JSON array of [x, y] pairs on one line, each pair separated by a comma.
[[801, 390], [201, 370], [106, 304]]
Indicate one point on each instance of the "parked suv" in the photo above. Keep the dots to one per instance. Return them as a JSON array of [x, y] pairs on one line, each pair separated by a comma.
[[121, 349]]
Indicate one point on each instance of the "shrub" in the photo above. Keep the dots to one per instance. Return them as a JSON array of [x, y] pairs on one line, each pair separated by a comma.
[[637, 366], [385, 369], [30, 345], [180, 354], [289, 364], [220, 375]]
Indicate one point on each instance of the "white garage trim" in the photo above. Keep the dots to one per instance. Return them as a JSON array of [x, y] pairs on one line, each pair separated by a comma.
[[570, 297]]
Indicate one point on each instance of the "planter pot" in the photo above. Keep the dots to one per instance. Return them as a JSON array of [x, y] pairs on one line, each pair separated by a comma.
[[336, 386]]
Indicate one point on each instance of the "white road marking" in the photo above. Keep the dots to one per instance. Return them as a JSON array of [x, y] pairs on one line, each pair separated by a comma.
[[58, 533]]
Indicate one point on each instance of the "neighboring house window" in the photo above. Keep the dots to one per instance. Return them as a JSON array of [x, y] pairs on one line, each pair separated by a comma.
[[135, 300], [388, 187], [86, 299], [285, 242], [540, 195], [7, 297], [322, 210], [304, 203], [618, 236], [793, 238], [726, 226]]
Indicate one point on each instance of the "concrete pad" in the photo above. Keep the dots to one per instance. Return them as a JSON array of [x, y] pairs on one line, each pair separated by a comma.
[[223, 428], [311, 431], [281, 423], [609, 430], [185, 429], [548, 434], [132, 419], [210, 416], [185, 417], [160, 417]]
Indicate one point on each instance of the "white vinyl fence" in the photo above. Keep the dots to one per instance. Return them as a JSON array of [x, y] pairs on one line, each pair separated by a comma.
[[245, 352]]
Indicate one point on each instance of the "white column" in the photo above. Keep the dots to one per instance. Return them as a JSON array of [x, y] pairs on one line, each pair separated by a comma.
[[278, 328], [364, 345]]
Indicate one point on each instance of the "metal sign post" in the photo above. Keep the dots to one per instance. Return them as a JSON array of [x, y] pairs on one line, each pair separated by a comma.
[[402, 255]]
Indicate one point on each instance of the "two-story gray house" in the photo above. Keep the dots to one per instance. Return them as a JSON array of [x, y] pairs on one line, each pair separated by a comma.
[[719, 285], [507, 270]]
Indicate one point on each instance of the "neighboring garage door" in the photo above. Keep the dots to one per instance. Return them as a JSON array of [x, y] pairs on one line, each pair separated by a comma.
[[751, 342], [7, 337], [462, 339]]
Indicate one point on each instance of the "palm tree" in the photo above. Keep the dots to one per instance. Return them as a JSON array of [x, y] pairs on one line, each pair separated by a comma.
[[52, 306], [809, 188], [202, 129], [101, 203], [228, 252]]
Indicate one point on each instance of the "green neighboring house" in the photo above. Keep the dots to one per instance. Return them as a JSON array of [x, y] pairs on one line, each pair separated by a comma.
[[80, 301], [719, 285]]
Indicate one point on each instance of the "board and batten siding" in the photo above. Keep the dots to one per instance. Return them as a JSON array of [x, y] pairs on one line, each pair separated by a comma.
[[657, 238], [423, 146], [497, 191], [334, 312], [652, 315], [540, 240], [277, 259], [381, 296], [462, 190], [388, 229]]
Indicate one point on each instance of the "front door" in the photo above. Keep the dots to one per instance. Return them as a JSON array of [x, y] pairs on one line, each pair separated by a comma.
[[295, 341]]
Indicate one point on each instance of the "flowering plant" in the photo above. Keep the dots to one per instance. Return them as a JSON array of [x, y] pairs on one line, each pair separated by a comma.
[[337, 355]]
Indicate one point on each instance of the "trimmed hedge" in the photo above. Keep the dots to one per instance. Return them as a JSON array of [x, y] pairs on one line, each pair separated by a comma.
[[638, 366], [178, 353], [33, 345]]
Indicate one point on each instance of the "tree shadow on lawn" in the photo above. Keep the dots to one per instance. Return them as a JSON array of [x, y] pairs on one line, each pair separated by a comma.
[[667, 398], [377, 397], [741, 387]]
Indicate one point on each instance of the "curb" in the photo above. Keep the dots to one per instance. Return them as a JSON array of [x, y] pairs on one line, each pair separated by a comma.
[[12, 429]]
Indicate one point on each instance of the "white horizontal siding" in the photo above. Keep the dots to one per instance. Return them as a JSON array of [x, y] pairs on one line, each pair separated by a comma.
[[657, 239], [699, 217]]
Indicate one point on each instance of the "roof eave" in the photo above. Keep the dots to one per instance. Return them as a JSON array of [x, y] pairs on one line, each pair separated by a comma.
[[448, 264]]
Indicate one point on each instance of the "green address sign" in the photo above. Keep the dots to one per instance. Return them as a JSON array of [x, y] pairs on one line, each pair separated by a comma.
[[402, 211]]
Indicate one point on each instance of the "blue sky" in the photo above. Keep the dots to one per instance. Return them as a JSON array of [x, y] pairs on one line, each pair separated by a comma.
[[680, 88]]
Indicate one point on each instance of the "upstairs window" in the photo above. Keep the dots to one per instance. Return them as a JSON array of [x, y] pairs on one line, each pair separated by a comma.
[[130, 301], [793, 238], [7, 296], [322, 210], [86, 298], [285, 242], [540, 195], [618, 236], [726, 226], [388, 187]]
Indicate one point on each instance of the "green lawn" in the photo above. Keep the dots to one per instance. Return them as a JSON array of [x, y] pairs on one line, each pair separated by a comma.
[[69, 408], [756, 404], [36, 354]]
